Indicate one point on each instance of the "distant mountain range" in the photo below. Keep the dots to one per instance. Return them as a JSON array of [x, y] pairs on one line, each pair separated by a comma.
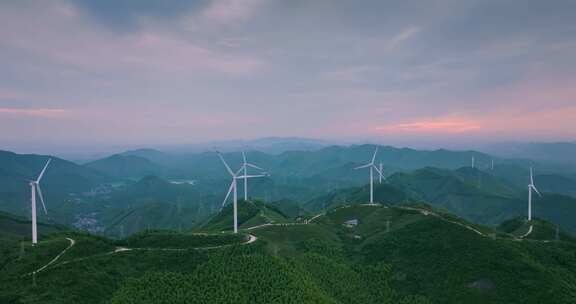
[[309, 163], [332, 167], [560, 152], [127, 192]]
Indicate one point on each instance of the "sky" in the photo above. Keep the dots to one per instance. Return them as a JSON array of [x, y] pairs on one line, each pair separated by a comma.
[[95, 73]]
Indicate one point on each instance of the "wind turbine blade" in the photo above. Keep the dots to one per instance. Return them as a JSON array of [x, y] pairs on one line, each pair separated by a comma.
[[251, 176], [374, 156], [535, 190], [254, 166], [363, 166], [41, 197], [43, 170], [239, 170], [244, 157], [226, 164], [227, 195], [377, 170]]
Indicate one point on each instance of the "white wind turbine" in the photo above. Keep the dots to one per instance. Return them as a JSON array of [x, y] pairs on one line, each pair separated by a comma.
[[473, 161], [35, 187], [244, 167], [234, 188], [530, 188], [372, 166]]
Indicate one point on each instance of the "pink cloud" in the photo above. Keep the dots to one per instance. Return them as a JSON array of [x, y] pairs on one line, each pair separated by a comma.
[[36, 112], [552, 123], [448, 125]]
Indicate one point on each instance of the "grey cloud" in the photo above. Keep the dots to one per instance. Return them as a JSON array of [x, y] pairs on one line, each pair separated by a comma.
[[123, 15]]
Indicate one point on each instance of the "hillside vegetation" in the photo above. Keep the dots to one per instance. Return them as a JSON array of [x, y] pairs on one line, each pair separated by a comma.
[[407, 254]]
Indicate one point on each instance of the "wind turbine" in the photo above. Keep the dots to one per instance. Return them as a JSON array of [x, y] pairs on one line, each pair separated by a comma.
[[530, 188], [472, 161], [372, 166], [234, 188], [35, 187], [244, 167]]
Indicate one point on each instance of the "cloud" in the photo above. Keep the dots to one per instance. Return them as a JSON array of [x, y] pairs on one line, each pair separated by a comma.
[[65, 43], [401, 37], [127, 15], [350, 74], [10, 94], [35, 112], [395, 41], [448, 125], [462, 68], [527, 124], [226, 12]]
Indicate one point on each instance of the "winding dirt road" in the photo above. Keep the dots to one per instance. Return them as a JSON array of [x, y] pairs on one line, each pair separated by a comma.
[[55, 259], [251, 239], [427, 213]]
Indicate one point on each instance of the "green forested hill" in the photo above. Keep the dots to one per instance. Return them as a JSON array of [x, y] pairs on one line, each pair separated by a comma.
[[250, 213], [61, 179], [62, 175], [557, 208], [16, 227], [405, 255], [126, 166], [150, 203], [541, 229], [384, 193], [554, 183], [440, 257], [474, 195], [469, 193]]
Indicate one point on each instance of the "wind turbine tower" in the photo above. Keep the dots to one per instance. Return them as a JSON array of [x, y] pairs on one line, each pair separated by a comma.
[[530, 188], [472, 162], [35, 187], [372, 167]]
